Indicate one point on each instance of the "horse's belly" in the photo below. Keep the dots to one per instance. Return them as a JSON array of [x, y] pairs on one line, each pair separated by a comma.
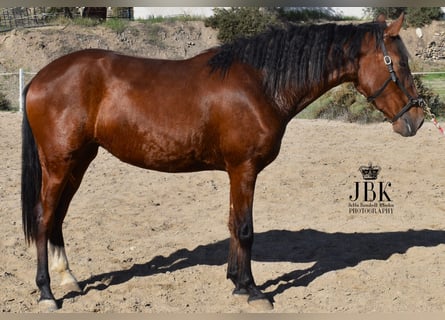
[[167, 155]]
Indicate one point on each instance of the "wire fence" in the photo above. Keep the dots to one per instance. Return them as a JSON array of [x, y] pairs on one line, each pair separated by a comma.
[[11, 18], [21, 17]]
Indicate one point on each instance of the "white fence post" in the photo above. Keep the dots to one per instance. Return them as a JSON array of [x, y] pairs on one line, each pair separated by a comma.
[[21, 87]]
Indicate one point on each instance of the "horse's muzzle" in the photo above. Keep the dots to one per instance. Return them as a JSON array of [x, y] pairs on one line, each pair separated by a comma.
[[407, 126]]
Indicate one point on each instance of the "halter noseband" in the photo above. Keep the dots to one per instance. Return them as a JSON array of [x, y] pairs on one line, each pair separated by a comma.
[[393, 77]]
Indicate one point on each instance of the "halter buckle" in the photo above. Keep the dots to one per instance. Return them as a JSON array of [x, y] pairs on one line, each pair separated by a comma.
[[387, 60]]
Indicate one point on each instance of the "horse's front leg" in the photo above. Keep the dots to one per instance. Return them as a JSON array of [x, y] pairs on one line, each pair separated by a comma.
[[242, 186]]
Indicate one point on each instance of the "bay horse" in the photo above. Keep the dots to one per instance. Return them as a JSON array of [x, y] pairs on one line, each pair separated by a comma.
[[224, 109]]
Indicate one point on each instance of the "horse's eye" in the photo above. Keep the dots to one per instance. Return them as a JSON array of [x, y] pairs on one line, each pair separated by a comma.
[[403, 64]]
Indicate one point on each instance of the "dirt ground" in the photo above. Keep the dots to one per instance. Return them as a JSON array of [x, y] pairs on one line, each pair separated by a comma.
[[143, 241]]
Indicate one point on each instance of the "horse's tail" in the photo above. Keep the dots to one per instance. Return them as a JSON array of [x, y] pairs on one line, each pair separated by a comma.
[[31, 177]]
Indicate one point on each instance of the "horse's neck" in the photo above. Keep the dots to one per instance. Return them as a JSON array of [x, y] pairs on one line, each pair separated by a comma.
[[296, 99]]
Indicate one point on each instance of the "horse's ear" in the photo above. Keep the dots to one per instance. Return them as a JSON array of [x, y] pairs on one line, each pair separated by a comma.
[[394, 28], [381, 18]]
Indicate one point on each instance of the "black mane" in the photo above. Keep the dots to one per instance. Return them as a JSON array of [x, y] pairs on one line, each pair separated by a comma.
[[297, 55]]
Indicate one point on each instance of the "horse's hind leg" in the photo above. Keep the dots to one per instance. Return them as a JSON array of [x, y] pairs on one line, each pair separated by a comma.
[[56, 173], [52, 185], [57, 244]]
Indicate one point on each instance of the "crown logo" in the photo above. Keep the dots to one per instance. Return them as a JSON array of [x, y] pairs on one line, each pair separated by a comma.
[[369, 172]]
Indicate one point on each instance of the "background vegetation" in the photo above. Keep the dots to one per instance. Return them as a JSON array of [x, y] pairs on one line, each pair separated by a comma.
[[247, 21], [343, 102], [431, 97], [415, 16], [347, 104], [5, 104]]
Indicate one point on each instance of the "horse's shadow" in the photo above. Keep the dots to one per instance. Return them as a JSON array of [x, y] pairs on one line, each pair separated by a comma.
[[328, 252]]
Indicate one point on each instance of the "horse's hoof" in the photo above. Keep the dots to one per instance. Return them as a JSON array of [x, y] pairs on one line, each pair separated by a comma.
[[69, 282], [71, 287], [48, 305], [240, 292], [262, 304]]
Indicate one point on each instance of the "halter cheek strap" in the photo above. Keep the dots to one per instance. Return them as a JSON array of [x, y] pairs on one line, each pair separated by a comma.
[[393, 78]]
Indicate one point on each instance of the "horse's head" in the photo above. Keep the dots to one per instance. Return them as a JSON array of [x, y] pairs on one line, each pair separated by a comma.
[[385, 79]]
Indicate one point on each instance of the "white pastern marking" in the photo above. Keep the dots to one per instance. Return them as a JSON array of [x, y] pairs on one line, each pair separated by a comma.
[[60, 265]]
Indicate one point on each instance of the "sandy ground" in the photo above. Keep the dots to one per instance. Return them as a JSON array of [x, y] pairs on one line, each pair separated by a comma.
[[143, 241]]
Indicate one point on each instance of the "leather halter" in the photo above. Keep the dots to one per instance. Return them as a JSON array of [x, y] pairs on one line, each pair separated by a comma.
[[393, 77]]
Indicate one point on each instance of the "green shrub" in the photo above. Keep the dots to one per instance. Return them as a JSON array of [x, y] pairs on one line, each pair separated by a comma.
[[415, 16], [86, 22], [309, 14], [5, 104], [248, 21], [115, 24], [391, 13], [419, 17], [346, 104], [240, 22]]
